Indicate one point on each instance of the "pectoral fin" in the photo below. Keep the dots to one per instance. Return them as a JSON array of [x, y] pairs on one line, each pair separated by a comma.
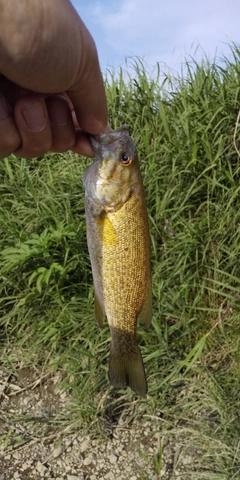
[[146, 312]]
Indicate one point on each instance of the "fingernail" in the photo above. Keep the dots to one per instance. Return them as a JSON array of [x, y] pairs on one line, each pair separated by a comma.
[[34, 116], [58, 114], [4, 108]]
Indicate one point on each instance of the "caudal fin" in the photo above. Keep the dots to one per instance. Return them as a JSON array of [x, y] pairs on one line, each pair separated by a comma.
[[128, 370]]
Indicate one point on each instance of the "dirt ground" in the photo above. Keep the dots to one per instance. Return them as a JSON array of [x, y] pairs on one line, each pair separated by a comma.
[[35, 444]]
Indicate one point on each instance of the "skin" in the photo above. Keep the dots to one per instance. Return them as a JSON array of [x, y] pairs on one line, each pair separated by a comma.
[[51, 87]]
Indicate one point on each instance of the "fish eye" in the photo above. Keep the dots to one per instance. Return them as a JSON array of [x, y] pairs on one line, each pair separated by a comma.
[[126, 159]]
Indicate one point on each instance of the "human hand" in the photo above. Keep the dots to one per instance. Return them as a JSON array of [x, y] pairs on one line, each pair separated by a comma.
[[51, 87]]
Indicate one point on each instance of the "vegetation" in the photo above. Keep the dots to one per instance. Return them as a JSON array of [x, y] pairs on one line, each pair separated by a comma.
[[183, 127]]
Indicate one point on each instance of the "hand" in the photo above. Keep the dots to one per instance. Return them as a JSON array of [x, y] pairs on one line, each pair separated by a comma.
[[51, 87]]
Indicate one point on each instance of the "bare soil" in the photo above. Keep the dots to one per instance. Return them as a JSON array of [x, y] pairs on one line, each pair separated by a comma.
[[35, 445]]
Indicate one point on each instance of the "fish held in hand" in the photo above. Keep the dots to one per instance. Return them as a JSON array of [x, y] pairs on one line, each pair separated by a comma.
[[119, 249]]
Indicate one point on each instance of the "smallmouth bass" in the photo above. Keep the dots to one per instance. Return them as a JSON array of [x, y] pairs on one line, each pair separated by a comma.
[[119, 249]]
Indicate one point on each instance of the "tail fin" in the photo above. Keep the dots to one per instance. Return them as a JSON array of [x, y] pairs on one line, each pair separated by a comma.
[[128, 370]]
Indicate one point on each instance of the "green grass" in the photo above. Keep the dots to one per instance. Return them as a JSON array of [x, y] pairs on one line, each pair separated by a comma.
[[184, 128]]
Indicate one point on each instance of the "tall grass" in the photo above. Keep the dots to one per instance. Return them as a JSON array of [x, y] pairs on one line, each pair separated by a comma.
[[183, 127]]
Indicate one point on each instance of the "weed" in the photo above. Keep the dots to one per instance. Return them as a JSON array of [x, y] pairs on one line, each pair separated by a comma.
[[184, 129]]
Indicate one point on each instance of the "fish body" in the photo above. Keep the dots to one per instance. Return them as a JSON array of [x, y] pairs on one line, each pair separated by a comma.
[[119, 249]]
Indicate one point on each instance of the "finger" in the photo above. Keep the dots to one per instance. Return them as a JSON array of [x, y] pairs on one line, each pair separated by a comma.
[[83, 145], [9, 135], [31, 118], [88, 93], [62, 127]]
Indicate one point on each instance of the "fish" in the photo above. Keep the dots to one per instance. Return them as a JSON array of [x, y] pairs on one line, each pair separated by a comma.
[[119, 248]]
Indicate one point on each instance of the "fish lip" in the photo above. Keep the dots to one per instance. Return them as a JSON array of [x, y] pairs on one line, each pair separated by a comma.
[[108, 139]]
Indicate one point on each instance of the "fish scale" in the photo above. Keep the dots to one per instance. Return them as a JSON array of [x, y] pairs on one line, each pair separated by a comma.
[[119, 248], [123, 298]]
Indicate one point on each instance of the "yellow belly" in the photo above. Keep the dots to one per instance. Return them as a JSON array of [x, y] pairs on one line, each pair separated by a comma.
[[125, 263]]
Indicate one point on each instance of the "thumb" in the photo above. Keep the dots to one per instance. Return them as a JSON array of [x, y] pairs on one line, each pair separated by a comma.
[[88, 93]]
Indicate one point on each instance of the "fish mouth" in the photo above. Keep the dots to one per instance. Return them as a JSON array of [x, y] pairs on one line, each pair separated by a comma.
[[108, 138], [112, 136]]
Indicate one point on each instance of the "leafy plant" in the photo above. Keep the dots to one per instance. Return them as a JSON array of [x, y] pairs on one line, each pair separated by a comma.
[[183, 127]]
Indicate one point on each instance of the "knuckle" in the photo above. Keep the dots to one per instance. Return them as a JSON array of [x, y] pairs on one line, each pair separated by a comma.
[[9, 143], [62, 143], [34, 149]]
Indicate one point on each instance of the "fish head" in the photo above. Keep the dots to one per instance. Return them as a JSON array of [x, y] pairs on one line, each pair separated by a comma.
[[111, 178]]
